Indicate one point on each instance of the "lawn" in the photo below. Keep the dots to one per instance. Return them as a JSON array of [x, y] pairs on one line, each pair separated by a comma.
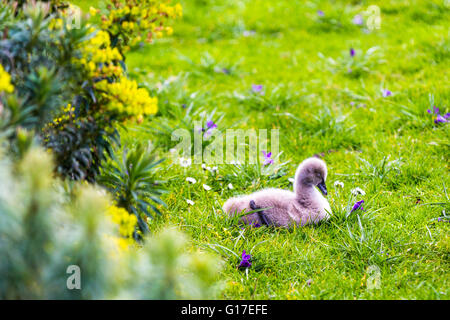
[[365, 114]]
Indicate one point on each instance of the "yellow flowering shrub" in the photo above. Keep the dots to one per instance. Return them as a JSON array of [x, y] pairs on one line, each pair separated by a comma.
[[5, 81], [56, 24], [127, 225], [67, 115], [125, 98], [132, 21], [99, 58], [81, 135]]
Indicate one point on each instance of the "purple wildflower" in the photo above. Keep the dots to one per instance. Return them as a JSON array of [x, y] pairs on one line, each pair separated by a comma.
[[245, 262], [320, 13], [267, 158], [352, 52], [358, 20], [358, 205], [210, 126], [435, 110], [257, 87], [439, 118], [386, 93]]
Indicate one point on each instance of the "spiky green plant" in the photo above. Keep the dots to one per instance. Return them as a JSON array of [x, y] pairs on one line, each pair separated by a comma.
[[131, 180]]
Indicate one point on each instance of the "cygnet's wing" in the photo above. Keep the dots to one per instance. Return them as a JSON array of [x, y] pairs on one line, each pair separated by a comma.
[[261, 213], [276, 204]]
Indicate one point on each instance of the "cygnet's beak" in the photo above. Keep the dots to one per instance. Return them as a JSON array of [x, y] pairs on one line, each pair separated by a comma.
[[323, 188]]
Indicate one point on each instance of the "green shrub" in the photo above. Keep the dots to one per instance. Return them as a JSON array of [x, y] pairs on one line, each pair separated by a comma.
[[131, 180]]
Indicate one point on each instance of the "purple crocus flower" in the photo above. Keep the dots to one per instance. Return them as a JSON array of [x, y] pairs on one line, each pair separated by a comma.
[[435, 110], [352, 52], [320, 13], [358, 205], [386, 93], [440, 119], [257, 87], [245, 262], [267, 158], [210, 126], [358, 20]]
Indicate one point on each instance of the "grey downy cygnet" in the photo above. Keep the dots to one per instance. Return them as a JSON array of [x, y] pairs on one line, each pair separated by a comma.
[[284, 208]]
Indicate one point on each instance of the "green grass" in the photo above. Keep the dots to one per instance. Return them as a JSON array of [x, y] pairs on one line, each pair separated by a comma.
[[320, 108]]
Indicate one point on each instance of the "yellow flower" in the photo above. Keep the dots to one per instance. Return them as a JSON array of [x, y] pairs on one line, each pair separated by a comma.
[[55, 24], [127, 99], [125, 221], [93, 11], [144, 24], [5, 81], [135, 11], [179, 9], [96, 52]]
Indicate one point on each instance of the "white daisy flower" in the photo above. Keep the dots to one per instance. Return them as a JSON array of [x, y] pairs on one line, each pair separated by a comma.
[[203, 166], [206, 187], [230, 186], [212, 170], [291, 180], [185, 162], [190, 202], [191, 180], [338, 183], [357, 191]]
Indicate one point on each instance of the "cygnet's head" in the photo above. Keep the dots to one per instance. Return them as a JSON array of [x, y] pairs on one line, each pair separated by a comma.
[[311, 172]]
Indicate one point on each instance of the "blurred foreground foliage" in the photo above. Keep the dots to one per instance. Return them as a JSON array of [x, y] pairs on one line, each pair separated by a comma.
[[45, 227]]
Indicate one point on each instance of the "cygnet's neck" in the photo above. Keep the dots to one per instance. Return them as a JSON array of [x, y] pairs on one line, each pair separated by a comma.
[[307, 193], [304, 189]]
